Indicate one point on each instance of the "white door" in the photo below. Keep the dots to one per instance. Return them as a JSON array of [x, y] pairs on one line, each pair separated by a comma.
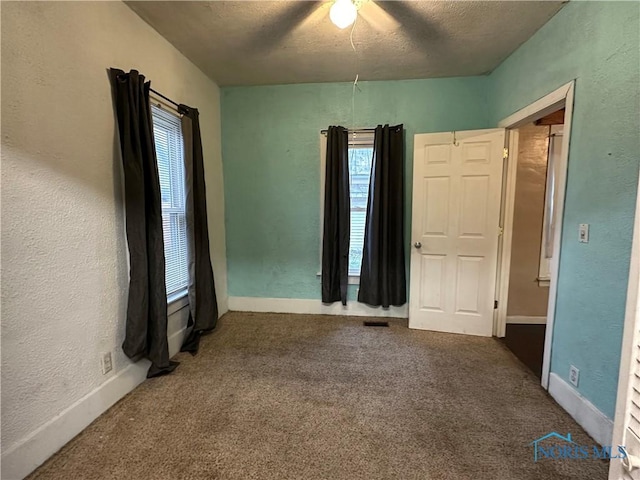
[[457, 183], [626, 427]]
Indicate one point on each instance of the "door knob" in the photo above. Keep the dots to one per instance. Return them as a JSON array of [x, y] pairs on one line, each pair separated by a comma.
[[417, 244]]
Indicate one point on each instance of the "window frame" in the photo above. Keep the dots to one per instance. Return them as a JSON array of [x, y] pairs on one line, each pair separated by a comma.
[[363, 138], [178, 299]]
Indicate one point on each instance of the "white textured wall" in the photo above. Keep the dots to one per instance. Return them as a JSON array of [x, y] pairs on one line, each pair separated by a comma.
[[64, 269]]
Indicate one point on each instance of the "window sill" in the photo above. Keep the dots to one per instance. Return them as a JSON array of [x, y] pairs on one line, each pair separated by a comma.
[[353, 279], [177, 301]]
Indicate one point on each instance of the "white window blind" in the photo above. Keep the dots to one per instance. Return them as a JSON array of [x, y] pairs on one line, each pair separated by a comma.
[[360, 158], [167, 132]]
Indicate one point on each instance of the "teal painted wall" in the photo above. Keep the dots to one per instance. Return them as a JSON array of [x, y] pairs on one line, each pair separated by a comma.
[[271, 155], [271, 170], [598, 44]]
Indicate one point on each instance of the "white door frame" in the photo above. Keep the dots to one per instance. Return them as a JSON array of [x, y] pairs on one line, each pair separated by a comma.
[[562, 97]]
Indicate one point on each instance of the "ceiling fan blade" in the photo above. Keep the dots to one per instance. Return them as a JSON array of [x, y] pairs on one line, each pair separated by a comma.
[[282, 19], [315, 17], [377, 17]]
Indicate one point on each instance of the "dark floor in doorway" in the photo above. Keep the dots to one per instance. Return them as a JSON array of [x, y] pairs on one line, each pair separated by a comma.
[[527, 343]]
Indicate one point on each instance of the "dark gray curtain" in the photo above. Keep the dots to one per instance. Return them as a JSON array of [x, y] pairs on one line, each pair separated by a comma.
[[335, 240], [203, 305], [146, 324], [382, 276]]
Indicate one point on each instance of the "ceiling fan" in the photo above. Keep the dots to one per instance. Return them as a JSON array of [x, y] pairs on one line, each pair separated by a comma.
[[304, 17], [343, 13]]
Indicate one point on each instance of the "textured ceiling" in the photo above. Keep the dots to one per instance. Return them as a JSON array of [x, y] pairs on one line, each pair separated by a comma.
[[266, 42]]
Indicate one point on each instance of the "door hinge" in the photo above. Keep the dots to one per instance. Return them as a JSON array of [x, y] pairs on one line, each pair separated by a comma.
[[495, 304], [505, 153], [500, 231]]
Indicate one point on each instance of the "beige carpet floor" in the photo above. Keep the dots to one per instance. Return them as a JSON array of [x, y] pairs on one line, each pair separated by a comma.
[[322, 397]]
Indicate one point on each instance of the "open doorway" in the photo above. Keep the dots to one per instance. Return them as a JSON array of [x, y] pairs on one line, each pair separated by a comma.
[[539, 149], [545, 126]]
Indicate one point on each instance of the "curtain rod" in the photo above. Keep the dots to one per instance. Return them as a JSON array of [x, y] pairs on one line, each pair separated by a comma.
[[164, 98], [354, 130]]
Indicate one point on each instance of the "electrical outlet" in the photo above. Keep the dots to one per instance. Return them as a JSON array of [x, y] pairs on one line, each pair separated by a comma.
[[574, 375], [107, 364]]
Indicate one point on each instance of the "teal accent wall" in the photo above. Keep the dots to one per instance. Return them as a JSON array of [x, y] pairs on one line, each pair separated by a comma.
[[271, 152], [598, 45]]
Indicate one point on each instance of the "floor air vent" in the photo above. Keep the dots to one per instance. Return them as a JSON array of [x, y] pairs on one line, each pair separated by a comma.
[[369, 323]]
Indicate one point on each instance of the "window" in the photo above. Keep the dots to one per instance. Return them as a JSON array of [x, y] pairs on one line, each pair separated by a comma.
[[360, 160], [548, 226], [167, 132]]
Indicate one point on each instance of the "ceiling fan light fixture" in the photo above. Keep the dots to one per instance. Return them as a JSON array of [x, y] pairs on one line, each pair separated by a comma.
[[343, 13]]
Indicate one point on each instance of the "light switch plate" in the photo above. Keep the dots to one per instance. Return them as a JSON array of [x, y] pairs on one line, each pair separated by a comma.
[[583, 233]]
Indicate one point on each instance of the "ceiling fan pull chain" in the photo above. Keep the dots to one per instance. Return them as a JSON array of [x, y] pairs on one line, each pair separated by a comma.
[[351, 34], [353, 103]]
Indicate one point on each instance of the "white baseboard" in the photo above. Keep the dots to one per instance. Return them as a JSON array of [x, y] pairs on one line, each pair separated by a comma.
[[596, 423], [527, 319], [39, 445], [296, 305]]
